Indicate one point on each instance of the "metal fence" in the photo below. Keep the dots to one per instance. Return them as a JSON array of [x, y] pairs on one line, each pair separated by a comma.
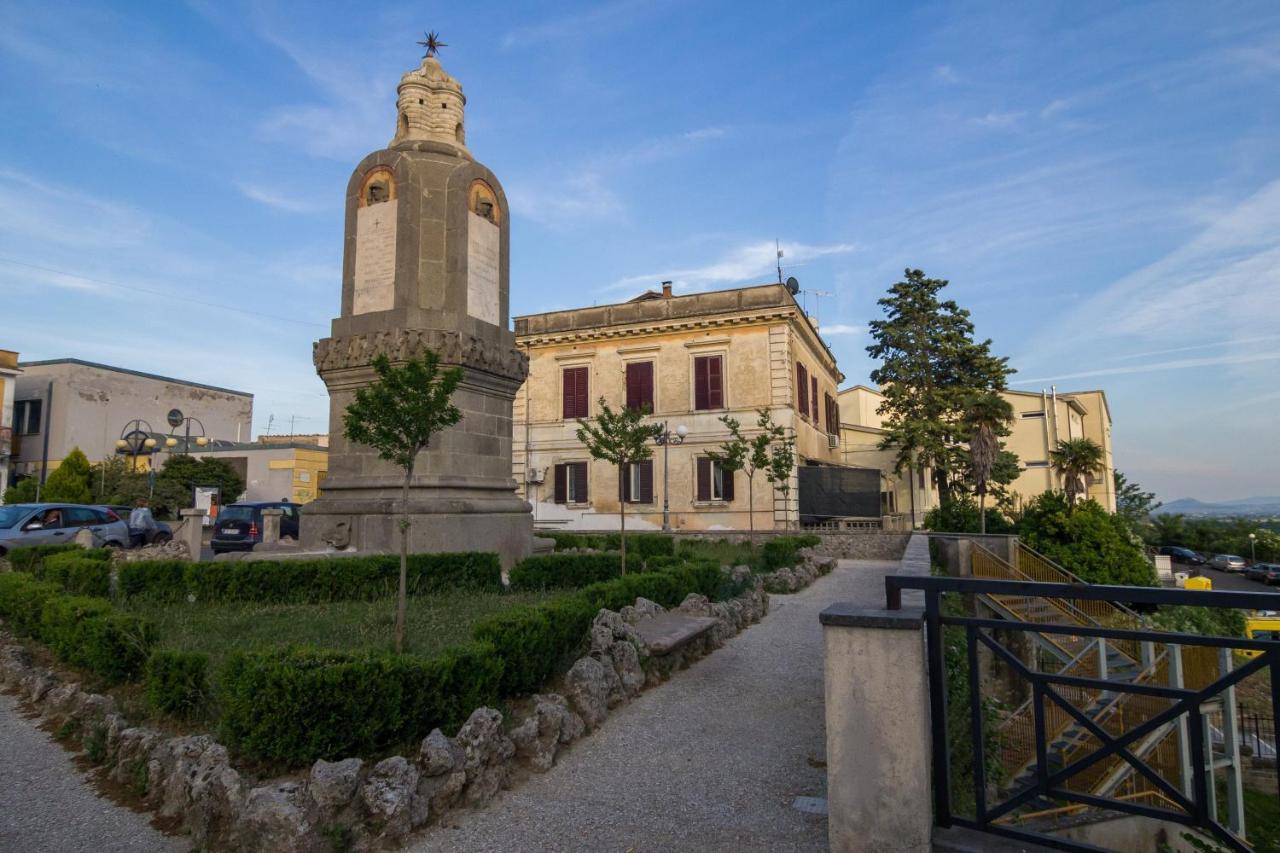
[[1148, 746]]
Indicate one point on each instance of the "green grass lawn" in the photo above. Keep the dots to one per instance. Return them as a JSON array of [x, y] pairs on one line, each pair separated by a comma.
[[434, 622]]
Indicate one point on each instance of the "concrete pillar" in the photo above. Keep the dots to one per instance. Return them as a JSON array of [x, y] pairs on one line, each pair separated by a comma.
[[271, 525], [879, 788], [192, 532]]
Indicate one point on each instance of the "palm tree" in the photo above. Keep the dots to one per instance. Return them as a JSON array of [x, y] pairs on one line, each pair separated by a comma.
[[986, 418], [1075, 459]]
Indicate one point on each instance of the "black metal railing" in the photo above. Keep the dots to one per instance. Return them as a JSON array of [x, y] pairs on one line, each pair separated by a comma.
[[1188, 802]]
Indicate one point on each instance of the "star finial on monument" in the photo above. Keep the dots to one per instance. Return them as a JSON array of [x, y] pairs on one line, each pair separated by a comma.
[[432, 44]]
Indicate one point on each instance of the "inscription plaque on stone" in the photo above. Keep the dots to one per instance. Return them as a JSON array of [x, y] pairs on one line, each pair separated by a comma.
[[482, 269], [375, 272]]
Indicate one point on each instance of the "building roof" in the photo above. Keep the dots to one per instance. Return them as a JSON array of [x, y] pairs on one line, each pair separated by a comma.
[[58, 361], [859, 387]]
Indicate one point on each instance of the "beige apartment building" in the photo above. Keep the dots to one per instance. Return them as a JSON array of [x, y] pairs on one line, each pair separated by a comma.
[[689, 360], [1041, 420], [9, 371]]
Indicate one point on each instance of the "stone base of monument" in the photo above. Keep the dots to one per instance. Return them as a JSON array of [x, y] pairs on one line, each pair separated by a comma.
[[372, 526]]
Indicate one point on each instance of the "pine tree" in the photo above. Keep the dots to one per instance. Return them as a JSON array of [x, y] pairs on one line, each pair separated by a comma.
[[69, 482], [397, 415], [930, 367]]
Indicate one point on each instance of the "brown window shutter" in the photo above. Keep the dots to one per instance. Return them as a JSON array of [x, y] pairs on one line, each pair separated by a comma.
[[646, 386], [813, 397], [700, 384], [726, 490], [584, 402], [802, 383], [580, 481], [704, 479], [624, 483], [640, 385], [715, 383], [562, 485], [646, 481], [633, 386], [570, 394]]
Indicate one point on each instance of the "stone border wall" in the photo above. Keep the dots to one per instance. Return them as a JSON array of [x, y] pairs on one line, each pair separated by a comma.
[[190, 783]]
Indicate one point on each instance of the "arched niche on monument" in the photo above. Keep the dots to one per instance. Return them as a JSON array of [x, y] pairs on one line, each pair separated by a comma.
[[484, 253], [375, 248]]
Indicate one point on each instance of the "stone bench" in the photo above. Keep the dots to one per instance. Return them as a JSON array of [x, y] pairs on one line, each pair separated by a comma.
[[667, 632]]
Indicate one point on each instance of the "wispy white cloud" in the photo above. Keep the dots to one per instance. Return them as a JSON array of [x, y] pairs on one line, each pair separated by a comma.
[[32, 209], [750, 262], [279, 199], [998, 119], [607, 17], [1174, 364], [945, 74], [841, 329]]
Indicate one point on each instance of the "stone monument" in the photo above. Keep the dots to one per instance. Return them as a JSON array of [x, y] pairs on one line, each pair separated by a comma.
[[425, 266]]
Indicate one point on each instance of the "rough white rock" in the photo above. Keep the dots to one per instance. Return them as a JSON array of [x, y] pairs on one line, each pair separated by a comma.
[[275, 818], [333, 784], [439, 754], [626, 662], [388, 795], [486, 748], [587, 689]]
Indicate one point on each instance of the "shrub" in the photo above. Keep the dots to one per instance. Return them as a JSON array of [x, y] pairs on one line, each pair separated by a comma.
[[309, 581], [652, 544], [564, 541], [89, 633], [78, 575], [1086, 540], [28, 558], [546, 571], [22, 600], [784, 551], [960, 515], [302, 704], [177, 682]]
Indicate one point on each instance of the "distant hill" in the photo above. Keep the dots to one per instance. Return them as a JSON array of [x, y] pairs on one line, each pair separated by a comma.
[[1266, 507]]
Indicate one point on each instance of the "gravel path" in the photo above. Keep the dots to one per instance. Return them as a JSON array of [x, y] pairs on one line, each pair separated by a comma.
[[47, 804], [712, 760]]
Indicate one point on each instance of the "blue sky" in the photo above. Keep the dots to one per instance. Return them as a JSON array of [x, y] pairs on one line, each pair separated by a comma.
[[1099, 181]]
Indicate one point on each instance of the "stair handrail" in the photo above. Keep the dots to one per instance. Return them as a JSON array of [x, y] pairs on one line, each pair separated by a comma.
[[1074, 578], [1061, 603]]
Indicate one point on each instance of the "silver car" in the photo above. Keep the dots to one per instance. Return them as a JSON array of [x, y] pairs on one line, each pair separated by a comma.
[[1227, 563], [56, 524]]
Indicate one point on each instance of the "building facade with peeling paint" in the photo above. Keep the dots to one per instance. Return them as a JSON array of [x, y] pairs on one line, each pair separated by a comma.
[[689, 360]]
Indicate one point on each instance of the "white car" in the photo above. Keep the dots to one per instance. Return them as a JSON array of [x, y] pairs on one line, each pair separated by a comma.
[[1227, 563]]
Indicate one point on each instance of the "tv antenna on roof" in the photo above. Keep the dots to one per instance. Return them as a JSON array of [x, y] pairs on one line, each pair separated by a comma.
[[778, 248], [817, 305]]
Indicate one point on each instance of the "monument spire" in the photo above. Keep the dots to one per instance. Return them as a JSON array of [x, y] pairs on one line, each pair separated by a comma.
[[430, 106]]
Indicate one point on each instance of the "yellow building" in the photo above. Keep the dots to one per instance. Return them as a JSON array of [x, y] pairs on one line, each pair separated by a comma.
[[690, 360], [274, 471], [8, 373], [1041, 420]]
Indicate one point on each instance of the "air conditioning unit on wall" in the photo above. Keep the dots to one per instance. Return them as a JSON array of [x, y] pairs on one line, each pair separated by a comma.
[[536, 476], [833, 441]]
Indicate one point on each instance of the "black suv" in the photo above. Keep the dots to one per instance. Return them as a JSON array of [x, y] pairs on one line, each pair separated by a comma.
[[238, 526], [1182, 555]]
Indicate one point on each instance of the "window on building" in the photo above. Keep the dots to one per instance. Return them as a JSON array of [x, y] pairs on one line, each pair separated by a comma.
[[27, 415], [714, 482], [640, 385], [813, 398], [1032, 414], [802, 386], [1039, 464], [833, 415], [636, 486], [708, 382], [571, 483], [576, 392]]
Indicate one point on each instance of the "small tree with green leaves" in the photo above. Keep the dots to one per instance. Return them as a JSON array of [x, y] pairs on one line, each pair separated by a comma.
[[782, 462], [397, 415], [1134, 504], [986, 418], [69, 482], [619, 438], [1075, 459], [749, 455]]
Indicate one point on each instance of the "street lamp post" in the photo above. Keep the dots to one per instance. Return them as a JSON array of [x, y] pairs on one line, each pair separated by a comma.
[[177, 419], [664, 439], [135, 437], [1253, 547]]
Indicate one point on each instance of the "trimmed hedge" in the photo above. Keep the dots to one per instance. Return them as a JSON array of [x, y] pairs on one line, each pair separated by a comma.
[[177, 682], [78, 575], [303, 704], [309, 581], [783, 551], [22, 600], [548, 571], [652, 544], [644, 544], [30, 558]]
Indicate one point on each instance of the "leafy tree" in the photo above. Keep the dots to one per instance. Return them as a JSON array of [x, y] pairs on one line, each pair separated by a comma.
[[1132, 503], [1088, 540], [396, 415], [931, 366], [69, 482], [1169, 529], [176, 481], [1006, 470], [21, 492], [750, 455], [782, 462], [986, 418], [1075, 459], [961, 515], [115, 482], [619, 438]]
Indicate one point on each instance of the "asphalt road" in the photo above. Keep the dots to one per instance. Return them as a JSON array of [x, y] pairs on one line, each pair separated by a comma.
[[1232, 581]]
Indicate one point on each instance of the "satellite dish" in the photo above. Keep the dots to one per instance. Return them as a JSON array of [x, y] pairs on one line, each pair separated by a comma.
[[175, 418], [793, 286]]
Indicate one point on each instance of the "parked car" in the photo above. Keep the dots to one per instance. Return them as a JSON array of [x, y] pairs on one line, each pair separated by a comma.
[[1182, 555], [1268, 573], [55, 524], [239, 525], [1227, 563], [162, 532]]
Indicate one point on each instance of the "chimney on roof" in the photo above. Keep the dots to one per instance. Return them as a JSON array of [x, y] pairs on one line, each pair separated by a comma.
[[666, 290]]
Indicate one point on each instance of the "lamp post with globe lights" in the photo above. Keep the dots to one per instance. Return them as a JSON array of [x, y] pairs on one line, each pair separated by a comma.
[[134, 438], [664, 438], [1253, 547], [177, 419]]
